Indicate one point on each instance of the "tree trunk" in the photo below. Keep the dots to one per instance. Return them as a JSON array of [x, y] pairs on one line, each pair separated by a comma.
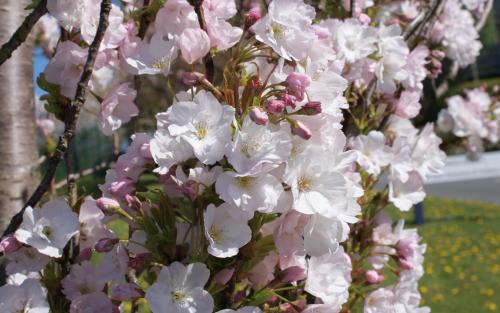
[[18, 149]]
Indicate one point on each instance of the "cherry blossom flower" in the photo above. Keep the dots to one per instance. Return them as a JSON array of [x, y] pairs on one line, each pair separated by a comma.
[[179, 289], [49, 228], [226, 230], [29, 297], [118, 108]]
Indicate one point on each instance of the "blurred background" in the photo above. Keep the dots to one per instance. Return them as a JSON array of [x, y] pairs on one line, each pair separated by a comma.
[[461, 216]]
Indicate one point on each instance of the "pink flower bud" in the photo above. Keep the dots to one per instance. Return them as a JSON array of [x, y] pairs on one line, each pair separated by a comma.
[[253, 16], [495, 89], [438, 54], [364, 19], [133, 202], [107, 205], [258, 116], [85, 254], [374, 277], [224, 275], [405, 248], [405, 264], [275, 106], [297, 84], [192, 78], [126, 292], [301, 130], [289, 100], [106, 244], [9, 244], [311, 108]]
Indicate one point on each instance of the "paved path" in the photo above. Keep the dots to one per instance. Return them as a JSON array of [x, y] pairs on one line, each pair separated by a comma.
[[469, 180]]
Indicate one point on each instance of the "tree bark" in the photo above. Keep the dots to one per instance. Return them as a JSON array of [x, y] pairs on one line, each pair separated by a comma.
[[18, 149]]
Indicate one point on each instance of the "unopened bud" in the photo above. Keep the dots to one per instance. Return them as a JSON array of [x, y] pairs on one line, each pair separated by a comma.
[[374, 277], [297, 84], [190, 189], [275, 106], [133, 202], [253, 15], [405, 264], [106, 244], [301, 130], [258, 116], [438, 54], [289, 100], [140, 261], [9, 244], [311, 108], [224, 275], [364, 19], [107, 205], [495, 89]]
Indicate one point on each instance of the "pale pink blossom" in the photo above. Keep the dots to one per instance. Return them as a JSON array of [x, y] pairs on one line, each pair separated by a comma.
[[118, 108], [194, 44]]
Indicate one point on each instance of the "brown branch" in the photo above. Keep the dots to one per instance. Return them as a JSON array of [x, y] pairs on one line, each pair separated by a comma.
[[22, 32], [419, 25], [209, 62], [71, 117]]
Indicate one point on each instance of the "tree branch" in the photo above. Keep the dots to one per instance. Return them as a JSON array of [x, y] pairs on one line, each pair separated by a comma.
[[71, 117], [22, 32], [209, 62]]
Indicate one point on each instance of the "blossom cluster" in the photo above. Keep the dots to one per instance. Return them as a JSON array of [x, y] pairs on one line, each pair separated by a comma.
[[270, 172], [475, 117]]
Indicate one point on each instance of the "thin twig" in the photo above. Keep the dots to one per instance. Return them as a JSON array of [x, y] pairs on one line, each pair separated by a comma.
[[71, 117], [22, 32], [209, 62]]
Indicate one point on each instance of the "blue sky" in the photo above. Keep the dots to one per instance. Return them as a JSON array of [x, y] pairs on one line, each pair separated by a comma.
[[40, 61]]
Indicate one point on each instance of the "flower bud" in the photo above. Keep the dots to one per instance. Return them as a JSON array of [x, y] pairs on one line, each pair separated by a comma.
[[190, 189], [275, 106], [374, 277], [126, 292], [224, 275], [301, 130], [253, 16], [9, 244], [258, 116], [297, 84], [495, 89], [289, 100], [364, 19], [107, 205], [311, 108], [192, 78], [133, 202], [438, 54], [405, 264], [106, 244]]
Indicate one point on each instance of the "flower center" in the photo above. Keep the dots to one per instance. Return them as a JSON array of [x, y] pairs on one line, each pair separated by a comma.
[[277, 30], [159, 64], [215, 234], [201, 130], [304, 184], [47, 231], [178, 296], [245, 182], [250, 147]]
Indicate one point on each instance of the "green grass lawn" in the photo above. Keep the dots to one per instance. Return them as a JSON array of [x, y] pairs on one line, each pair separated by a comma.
[[463, 257]]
